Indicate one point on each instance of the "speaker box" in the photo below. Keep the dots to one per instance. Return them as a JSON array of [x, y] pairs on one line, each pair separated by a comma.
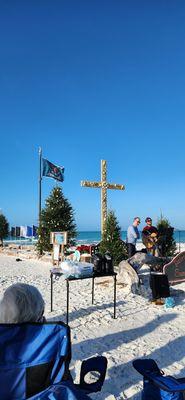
[[159, 285], [98, 263]]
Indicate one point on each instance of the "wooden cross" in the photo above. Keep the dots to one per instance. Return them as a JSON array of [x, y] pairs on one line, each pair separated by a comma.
[[104, 185]]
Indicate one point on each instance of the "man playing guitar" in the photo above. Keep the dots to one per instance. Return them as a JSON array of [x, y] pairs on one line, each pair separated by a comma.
[[150, 237]]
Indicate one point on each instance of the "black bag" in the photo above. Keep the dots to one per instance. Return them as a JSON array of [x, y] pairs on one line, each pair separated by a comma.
[[98, 264], [108, 263]]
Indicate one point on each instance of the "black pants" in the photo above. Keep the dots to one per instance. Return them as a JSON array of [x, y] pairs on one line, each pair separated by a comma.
[[131, 248]]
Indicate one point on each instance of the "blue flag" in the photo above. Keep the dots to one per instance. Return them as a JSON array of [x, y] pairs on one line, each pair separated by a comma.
[[52, 171], [35, 229]]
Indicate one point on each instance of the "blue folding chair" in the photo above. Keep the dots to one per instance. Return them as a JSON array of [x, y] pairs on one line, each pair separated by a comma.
[[157, 386], [34, 363]]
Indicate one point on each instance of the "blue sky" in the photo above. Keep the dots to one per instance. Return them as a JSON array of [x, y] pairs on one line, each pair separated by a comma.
[[92, 80]]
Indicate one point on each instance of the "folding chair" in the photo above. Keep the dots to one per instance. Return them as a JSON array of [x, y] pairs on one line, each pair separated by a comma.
[[34, 363], [157, 386]]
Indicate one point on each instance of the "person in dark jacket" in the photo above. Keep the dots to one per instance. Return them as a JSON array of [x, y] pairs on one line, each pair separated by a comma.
[[150, 237]]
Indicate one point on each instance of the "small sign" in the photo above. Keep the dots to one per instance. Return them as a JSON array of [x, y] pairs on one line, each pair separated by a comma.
[[175, 269], [59, 238]]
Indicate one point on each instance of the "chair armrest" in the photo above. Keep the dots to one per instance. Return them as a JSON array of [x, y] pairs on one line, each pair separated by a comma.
[[97, 364]]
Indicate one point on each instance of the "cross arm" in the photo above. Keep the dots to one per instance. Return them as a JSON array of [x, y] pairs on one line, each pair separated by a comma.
[[115, 186], [91, 184]]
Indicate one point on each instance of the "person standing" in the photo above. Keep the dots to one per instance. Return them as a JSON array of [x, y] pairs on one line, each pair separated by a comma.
[[132, 236], [150, 237], [149, 228]]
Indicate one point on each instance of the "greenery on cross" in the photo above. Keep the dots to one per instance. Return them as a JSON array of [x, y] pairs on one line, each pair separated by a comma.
[[111, 240], [4, 228], [56, 216], [166, 241]]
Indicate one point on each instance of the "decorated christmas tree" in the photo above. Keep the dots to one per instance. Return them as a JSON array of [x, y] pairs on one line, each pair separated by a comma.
[[4, 228], [56, 216], [111, 240]]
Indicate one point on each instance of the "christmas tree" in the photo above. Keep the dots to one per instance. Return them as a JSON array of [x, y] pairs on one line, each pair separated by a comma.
[[111, 240], [4, 228], [166, 241], [57, 216]]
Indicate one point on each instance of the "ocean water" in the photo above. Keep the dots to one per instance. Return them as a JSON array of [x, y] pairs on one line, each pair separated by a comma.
[[89, 237], [95, 236]]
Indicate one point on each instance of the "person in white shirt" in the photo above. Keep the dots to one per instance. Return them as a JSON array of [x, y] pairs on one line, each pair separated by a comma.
[[132, 236]]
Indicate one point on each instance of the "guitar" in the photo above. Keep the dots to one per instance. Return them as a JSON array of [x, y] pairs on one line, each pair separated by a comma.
[[150, 240]]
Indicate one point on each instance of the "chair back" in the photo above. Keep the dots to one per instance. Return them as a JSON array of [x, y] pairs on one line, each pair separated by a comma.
[[33, 356]]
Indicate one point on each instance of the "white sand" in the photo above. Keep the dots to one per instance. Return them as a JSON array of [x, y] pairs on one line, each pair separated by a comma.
[[141, 329]]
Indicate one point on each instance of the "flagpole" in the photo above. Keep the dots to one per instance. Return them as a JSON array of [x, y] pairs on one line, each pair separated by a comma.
[[40, 183]]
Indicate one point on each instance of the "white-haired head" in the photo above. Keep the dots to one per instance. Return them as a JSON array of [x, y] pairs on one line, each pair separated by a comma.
[[21, 303]]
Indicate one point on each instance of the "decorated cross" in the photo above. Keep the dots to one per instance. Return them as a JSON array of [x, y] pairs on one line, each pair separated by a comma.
[[103, 185]]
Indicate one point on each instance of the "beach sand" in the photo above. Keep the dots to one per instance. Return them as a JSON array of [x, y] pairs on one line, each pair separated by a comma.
[[140, 329]]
